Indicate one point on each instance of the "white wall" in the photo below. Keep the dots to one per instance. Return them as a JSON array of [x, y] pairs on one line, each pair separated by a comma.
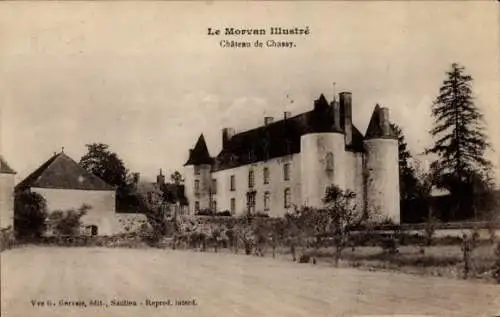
[[276, 186], [354, 177], [205, 180], [315, 178], [6, 200], [102, 213], [383, 178]]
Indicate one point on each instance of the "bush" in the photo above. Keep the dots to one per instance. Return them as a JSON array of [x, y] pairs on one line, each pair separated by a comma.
[[496, 266], [68, 223], [7, 239], [304, 258], [205, 212], [30, 214]]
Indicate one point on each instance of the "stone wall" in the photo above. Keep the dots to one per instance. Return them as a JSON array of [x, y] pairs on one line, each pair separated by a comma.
[[6, 200], [125, 223]]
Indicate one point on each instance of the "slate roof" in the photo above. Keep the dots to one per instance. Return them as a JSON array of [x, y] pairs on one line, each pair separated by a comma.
[[282, 138], [199, 154], [4, 167], [376, 129], [62, 172]]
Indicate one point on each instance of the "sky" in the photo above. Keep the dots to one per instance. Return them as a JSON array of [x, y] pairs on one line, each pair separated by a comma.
[[147, 79]]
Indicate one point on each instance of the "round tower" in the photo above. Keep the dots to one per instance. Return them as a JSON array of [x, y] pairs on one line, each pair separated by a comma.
[[198, 177], [381, 168], [322, 153]]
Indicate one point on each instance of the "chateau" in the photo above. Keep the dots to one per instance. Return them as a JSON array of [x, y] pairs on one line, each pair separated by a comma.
[[290, 162]]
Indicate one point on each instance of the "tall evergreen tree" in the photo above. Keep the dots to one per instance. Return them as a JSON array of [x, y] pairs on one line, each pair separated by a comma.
[[407, 178], [460, 141]]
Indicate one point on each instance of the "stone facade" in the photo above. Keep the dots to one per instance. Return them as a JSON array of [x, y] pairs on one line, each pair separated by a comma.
[[7, 176], [290, 163]]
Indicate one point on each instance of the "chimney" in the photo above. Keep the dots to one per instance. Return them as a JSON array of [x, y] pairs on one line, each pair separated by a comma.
[[268, 120], [384, 121], [346, 111], [160, 179], [336, 116], [227, 134], [286, 115]]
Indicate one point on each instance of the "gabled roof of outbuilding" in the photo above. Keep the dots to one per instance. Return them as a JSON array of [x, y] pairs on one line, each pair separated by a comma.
[[4, 167], [62, 172], [199, 154]]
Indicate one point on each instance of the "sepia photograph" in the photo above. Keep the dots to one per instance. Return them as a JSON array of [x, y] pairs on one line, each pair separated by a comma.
[[264, 158]]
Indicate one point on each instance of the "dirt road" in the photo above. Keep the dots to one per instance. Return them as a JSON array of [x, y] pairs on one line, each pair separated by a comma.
[[63, 281]]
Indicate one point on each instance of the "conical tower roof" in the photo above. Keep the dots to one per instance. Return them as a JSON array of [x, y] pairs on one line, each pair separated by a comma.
[[379, 126], [199, 154], [4, 167]]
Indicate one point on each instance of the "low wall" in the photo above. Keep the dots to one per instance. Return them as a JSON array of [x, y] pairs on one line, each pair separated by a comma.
[[125, 223]]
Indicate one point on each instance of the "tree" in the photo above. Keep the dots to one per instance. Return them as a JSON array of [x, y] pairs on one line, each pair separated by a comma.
[[176, 178], [68, 222], [30, 213], [105, 164], [460, 141], [343, 215], [157, 220], [407, 178]]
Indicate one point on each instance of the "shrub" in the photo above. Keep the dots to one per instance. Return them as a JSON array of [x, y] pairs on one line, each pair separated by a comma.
[[68, 223], [305, 258], [225, 213], [30, 214], [205, 212], [431, 225], [7, 239], [496, 265]]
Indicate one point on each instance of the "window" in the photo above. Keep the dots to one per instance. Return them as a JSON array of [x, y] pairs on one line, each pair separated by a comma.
[[251, 202], [196, 170], [267, 198], [150, 197], [196, 206], [214, 186], [251, 156], [329, 162], [288, 197], [266, 175], [93, 230], [233, 206], [232, 183], [251, 179], [196, 186], [286, 171], [214, 205]]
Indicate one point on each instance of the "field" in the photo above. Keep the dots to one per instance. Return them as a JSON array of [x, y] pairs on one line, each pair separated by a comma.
[[221, 285]]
